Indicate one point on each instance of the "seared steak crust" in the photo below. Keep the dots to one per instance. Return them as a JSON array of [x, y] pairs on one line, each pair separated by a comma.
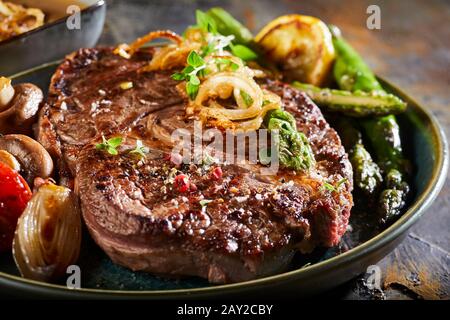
[[131, 206]]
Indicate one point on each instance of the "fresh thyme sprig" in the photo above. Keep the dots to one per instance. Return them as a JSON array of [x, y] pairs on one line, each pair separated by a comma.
[[216, 43], [109, 145], [195, 69], [140, 149], [328, 186], [205, 202]]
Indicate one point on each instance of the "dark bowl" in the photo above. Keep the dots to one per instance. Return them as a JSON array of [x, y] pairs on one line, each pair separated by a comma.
[[53, 40], [426, 146]]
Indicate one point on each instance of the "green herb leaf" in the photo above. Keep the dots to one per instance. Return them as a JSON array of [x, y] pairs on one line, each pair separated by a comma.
[[140, 149], [193, 79], [195, 60], [340, 183], [112, 151], [188, 70], [243, 52], [205, 202], [280, 114], [191, 90], [293, 147], [109, 145], [329, 187], [234, 66], [247, 98], [191, 73], [178, 76], [102, 145], [206, 50], [115, 142], [208, 159], [202, 72]]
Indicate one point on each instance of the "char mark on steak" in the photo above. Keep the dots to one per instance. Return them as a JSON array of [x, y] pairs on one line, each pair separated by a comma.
[[249, 227]]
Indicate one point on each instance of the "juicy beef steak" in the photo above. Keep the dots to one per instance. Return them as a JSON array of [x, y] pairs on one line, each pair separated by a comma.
[[130, 205]]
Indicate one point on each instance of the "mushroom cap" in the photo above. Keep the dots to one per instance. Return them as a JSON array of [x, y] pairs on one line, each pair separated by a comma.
[[34, 160], [20, 114]]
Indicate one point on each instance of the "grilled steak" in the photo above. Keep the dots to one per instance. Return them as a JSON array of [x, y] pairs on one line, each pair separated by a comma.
[[132, 206]]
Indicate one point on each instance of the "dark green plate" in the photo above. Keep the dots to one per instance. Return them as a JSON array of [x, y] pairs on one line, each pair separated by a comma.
[[325, 268]]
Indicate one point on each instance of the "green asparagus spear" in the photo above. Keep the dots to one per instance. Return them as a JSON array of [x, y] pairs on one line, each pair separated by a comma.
[[352, 73], [392, 199], [391, 203], [390, 158], [394, 180], [219, 22], [227, 25], [384, 134], [354, 104], [242, 46], [366, 173]]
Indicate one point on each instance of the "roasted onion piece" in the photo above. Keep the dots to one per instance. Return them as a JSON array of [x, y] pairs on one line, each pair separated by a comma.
[[126, 51], [168, 57], [6, 92], [48, 234], [222, 85]]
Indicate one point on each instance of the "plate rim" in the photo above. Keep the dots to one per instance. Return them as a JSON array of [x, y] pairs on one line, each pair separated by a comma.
[[407, 220]]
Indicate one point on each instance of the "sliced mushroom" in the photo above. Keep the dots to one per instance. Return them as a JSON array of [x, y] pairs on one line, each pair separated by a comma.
[[18, 107], [8, 159], [34, 160]]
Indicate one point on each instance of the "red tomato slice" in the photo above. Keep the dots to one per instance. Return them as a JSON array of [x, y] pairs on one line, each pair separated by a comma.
[[14, 196]]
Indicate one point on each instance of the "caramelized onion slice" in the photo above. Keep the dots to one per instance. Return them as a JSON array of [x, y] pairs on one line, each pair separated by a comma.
[[168, 57], [6, 92], [48, 234], [126, 51], [222, 85]]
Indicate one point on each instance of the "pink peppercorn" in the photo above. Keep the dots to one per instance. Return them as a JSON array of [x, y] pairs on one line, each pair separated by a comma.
[[217, 173], [181, 183]]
